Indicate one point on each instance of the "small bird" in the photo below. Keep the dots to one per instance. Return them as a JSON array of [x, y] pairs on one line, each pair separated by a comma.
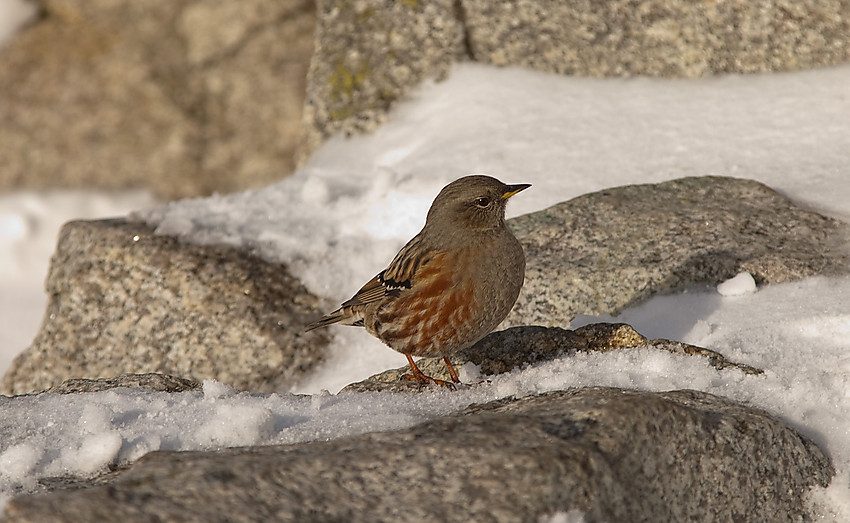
[[451, 284]]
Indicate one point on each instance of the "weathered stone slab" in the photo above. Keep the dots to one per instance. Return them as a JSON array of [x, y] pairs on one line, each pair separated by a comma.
[[124, 300], [151, 381], [615, 455], [604, 251]]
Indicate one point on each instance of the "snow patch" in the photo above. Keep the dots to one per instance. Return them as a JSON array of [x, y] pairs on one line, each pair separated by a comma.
[[741, 284]]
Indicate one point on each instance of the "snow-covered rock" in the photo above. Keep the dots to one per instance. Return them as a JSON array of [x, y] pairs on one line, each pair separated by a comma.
[[361, 65], [613, 454], [607, 250], [515, 348], [149, 303], [742, 283]]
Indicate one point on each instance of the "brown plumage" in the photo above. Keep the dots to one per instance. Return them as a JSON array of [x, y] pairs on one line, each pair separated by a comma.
[[451, 284]]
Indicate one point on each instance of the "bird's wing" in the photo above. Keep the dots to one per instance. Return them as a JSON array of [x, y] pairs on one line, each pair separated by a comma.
[[397, 277], [400, 272], [390, 282], [373, 291]]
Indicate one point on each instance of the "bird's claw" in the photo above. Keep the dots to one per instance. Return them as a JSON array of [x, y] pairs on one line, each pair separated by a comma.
[[423, 380]]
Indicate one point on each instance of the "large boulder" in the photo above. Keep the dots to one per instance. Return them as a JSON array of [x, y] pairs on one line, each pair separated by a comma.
[[124, 300], [184, 97], [367, 55], [371, 53], [613, 455], [658, 37], [601, 252]]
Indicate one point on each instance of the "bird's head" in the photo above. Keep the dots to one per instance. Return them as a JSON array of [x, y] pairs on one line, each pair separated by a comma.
[[472, 203]]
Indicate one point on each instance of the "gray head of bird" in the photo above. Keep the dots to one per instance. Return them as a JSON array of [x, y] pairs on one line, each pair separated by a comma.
[[471, 204]]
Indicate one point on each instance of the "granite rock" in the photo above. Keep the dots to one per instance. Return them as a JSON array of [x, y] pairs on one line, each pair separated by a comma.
[[513, 348], [601, 252], [364, 61], [183, 97], [659, 37], [151, 381], [191, 97], [367, 55], [124, 300], [614, 455]]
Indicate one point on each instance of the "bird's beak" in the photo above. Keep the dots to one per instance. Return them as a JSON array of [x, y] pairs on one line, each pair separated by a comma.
[[513, 189]]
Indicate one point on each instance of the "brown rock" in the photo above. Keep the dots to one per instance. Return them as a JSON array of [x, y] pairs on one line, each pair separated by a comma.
[[186, 98]]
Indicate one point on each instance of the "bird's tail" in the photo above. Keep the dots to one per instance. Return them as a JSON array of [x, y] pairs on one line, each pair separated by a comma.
[[343, 315]]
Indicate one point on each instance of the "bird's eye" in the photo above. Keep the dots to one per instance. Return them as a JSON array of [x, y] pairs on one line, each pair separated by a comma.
[[482, 202]]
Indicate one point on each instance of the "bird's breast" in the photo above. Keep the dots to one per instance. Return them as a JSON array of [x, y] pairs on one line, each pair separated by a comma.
[[435, 316], [455, 299]]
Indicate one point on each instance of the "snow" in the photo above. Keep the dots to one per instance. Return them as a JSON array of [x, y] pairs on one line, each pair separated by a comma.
[[342, 217], [739, 285], [573, 516]]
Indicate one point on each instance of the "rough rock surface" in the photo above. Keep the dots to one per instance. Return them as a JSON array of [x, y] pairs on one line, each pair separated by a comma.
[[659, 37], [360, 66], [367, 54], [184, 97], [151, 381], [604, 251], [506, 350], [124, 300], [613, 454]]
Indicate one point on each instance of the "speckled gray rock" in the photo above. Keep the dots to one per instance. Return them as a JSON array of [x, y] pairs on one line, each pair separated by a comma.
[[506, 350], [150, 381], [184, 97], [604, 251], [368, 54], [613, 454], [659, 37], [124, 300]]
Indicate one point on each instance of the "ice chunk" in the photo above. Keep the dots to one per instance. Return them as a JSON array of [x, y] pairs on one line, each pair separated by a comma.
[[741, 284]]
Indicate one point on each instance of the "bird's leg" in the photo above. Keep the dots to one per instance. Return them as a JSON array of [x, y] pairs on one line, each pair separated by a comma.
[[452, 371], [419, 376]]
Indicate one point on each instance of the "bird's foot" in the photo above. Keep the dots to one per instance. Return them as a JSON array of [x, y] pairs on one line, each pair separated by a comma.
[[423, 380], [418, 375]]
